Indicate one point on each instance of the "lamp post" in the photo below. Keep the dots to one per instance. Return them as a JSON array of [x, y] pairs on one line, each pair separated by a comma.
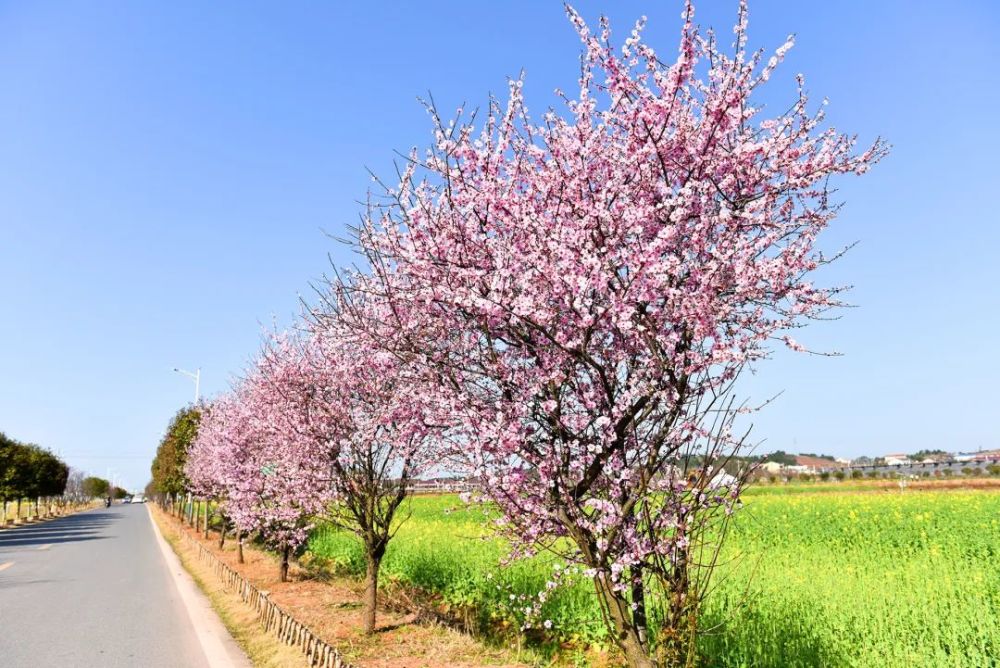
[[196, 377]]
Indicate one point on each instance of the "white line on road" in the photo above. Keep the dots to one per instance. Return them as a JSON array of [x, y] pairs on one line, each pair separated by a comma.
[[45, 547], [219, 647], [6, 565]]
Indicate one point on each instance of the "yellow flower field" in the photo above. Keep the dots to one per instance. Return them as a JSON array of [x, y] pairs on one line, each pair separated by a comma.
[[876, 578]]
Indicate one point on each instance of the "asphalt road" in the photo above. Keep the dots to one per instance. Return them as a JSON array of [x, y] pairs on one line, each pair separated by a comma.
[[91, 589]]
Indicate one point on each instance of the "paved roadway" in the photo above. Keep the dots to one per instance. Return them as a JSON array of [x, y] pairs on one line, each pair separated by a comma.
[[91, 589]]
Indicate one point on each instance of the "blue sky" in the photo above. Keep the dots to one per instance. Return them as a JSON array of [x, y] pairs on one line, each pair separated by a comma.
[[167, 171]]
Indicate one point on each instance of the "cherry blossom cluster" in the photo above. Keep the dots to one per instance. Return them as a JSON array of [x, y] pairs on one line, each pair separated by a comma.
[[317, 417]]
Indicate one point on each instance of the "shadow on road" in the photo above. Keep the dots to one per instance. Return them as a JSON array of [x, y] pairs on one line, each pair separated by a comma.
[[79, 527]]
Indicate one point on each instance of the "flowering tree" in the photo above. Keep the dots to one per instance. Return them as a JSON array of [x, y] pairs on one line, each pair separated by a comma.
[[323, 426], [210, 460], [354, 405], [252, 453], [583, 291]]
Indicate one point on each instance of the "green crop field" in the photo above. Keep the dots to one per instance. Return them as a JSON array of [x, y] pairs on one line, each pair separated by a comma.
[[858, 578]]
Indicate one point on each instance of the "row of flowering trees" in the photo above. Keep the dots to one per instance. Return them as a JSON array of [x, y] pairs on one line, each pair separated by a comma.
[[560, 308]]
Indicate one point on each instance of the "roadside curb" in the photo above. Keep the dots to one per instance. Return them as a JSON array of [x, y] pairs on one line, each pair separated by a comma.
[[48, 518], [220, 650]]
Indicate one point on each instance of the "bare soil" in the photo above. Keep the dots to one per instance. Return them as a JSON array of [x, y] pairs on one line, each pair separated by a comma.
[[331, 607]]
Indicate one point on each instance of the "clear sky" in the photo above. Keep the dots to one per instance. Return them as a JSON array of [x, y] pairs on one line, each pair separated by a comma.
[[167, 171]]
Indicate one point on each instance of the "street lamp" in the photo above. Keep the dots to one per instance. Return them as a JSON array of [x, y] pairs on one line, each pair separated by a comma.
[[196, 377]]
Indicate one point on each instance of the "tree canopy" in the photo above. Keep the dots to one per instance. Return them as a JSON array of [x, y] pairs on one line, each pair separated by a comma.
[[95, 487], [171, 454], [29, 471]]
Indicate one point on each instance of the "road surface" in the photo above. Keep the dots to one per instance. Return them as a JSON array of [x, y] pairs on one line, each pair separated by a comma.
[[92, 589]]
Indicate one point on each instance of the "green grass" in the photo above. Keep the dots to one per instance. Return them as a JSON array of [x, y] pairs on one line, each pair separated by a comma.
[[849, 578]]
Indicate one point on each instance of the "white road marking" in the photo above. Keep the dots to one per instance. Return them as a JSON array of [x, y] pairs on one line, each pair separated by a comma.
[[45, 547], [219, 647], [6, 565]]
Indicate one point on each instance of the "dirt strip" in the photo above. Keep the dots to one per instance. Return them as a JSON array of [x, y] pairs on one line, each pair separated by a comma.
[[331, 608]]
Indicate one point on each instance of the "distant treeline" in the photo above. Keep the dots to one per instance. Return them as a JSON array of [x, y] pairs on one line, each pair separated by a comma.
[[28, 471], [786, 459]]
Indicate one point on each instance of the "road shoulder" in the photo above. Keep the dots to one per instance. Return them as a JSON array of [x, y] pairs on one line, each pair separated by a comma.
[[220, 649]]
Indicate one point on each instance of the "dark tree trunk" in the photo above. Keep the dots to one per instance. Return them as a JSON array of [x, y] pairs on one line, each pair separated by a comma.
[[678, 634], [222, 533], [284, 563], [626, 634], [239, 546], [374, 561], [639, 601], [208, 509]]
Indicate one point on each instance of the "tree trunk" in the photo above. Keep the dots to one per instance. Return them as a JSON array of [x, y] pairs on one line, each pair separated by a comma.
[[680, 623], [284, 563], [17, 517], [222, 533], [639, 604], [208, 509], [239, 546], [374, 561], [626, 634]]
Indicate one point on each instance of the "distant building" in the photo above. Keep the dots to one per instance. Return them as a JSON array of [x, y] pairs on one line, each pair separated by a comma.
[[722, 480], [441, 485], [896, 459], [772, 467], [806, 464], [981, 456]]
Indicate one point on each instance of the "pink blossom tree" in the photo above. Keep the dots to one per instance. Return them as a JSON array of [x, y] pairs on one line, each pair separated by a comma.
[[323, 426], [583, 291], [205, 469], [220, 464], [372, 432], [292, 477], [254, 452]]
